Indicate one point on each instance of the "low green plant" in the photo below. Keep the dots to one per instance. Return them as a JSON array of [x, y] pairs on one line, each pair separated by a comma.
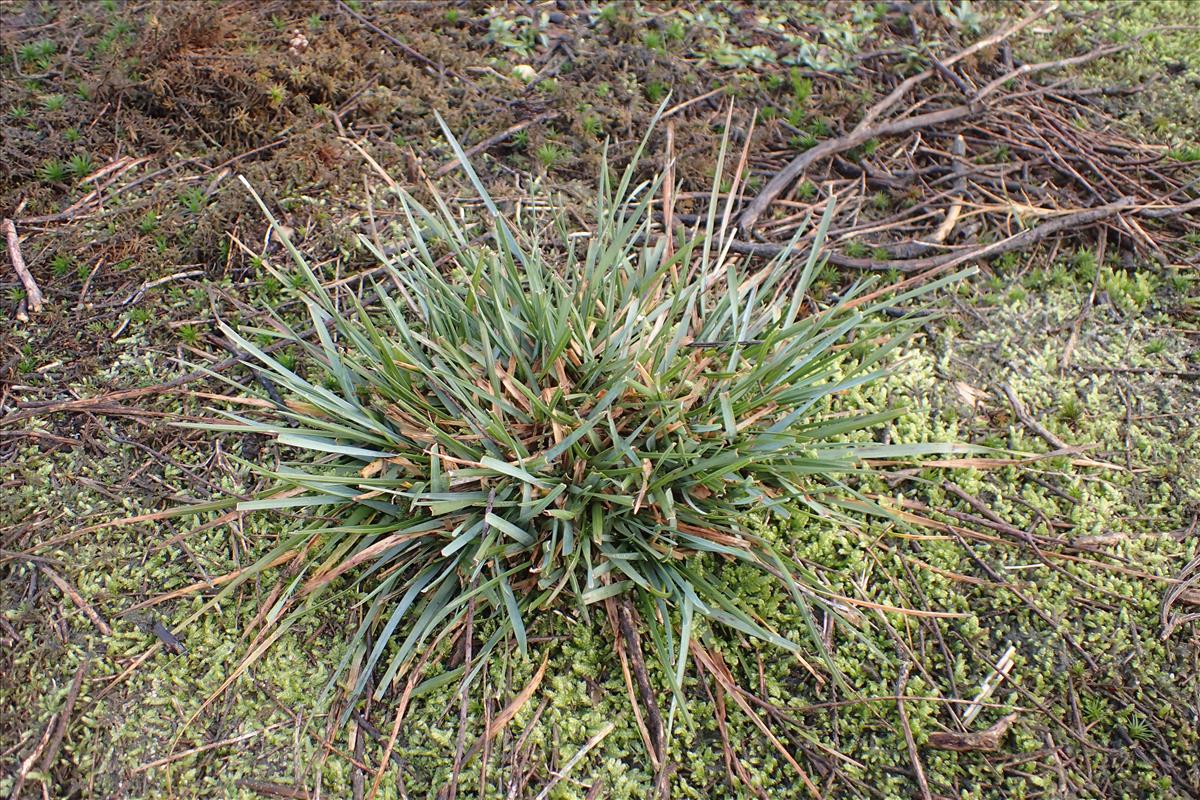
[[550, 155], [801, 86], [592, 125], [193, 199], [655, 91], [53, 171], [1185, 152], [54, 102], [38, 52], [61, 265], [1070, 410], [81, 165], [517, 422]]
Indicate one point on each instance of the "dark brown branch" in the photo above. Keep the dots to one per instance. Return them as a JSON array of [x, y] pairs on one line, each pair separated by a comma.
[[1017, 241]]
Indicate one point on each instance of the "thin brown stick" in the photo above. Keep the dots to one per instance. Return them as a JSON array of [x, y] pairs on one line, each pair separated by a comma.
[[204, 748], [33, 294], [509, 711], [863, 133], [633, 646], [1015, 242], [627, 673], [668, 203], [940, 263], [401, 709], [866, 129], [591, 743], [406, 49], [267, 789], [909, 742], [77, 599], [901, 91], [464, 700], [64, 717], [1029, 422], [492, 141], [27, 765], [959, 151], [964, 742], [712, 662]]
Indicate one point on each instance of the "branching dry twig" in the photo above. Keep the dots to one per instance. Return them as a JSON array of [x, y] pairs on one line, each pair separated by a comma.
[[866, 128], [33, 294]]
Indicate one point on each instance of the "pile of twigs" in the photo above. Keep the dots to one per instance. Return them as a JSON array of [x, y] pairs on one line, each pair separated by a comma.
[[973, 158]]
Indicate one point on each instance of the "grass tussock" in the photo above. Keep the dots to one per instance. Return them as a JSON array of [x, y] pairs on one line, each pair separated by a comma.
[[522, 421]]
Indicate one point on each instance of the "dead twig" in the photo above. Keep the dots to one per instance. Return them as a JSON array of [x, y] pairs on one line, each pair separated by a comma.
[[910, 743], [591, 743], [963, 742], [1017, 241], [1029, 422], [77, 599], [633, 647], [160, 762], [493, 140], [33, 294], [1184, 590], [866, 128], [940, 263], [64, 717], [411, 52], [27, 765], [506, 715], [267, 789]]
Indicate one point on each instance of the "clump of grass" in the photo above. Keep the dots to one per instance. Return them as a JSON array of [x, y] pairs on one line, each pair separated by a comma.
[[652, 39], [38, 52], [193, 199], [81, 165], [188, 334], [528, 425], [1185, 152], [53, 171], [655, 91], [551, 155], [61, 265], [592, 125]]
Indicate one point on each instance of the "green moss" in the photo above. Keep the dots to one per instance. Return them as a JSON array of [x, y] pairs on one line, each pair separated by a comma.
[[1086, 631]]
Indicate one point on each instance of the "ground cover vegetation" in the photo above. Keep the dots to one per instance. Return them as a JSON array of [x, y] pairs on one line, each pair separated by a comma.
[[1017, 620]]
